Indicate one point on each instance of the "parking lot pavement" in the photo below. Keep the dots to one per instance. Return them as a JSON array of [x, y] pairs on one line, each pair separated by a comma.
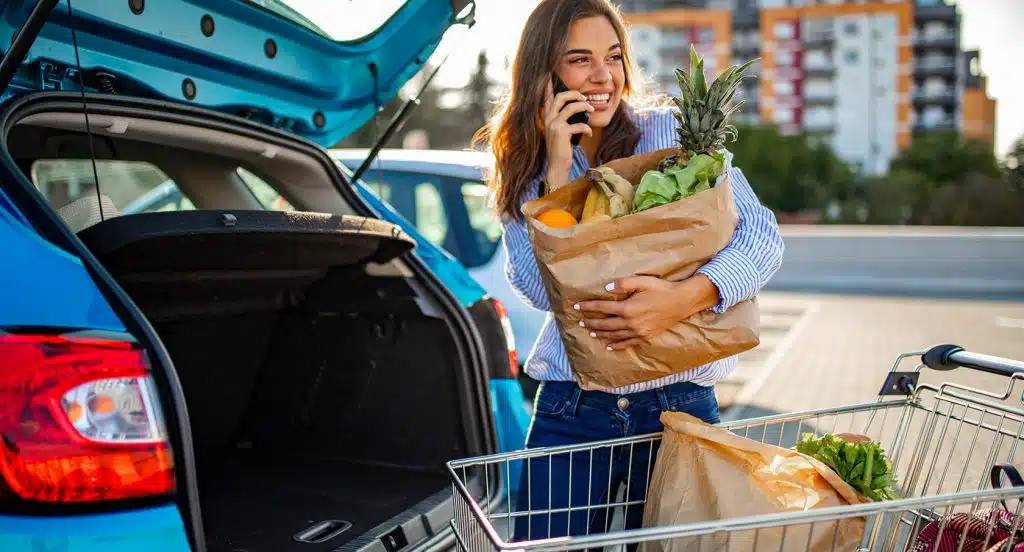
[[838, 350]]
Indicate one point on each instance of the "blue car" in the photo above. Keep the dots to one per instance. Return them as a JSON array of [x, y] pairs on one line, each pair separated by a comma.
[[276, 360]]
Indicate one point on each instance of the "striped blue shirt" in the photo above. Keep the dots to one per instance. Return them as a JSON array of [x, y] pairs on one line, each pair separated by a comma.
[[739, 270]]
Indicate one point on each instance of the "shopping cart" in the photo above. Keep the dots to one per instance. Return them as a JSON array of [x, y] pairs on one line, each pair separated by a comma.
[[943, 439]]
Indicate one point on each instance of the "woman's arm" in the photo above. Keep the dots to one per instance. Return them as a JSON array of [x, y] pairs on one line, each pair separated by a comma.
[[753, 255], [521, 268]]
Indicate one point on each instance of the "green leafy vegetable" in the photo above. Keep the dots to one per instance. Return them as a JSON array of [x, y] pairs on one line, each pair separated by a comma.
[[678, 181], [863, 466]]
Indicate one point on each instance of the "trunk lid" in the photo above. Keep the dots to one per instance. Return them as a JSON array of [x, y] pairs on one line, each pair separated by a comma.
[[315, 68]]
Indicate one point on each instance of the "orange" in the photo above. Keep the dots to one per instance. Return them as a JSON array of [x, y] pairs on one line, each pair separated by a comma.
[[557, 218]]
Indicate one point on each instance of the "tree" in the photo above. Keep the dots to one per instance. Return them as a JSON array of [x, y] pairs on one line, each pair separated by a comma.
[[978, 200], [789, 173], [951, 181], [1014, 164], [895, 198], [480, 92], [946, 157]]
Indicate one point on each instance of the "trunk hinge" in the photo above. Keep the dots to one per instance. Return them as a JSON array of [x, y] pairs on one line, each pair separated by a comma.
[[52, 75], [24, 39]]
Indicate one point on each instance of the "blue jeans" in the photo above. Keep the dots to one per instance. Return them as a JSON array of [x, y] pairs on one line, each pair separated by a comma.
[[582, 484]]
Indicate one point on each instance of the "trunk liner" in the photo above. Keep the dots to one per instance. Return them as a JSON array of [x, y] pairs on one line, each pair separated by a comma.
[[255, 502]]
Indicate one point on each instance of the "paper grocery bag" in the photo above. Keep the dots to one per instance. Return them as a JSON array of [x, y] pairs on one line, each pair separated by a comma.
[[669, 241], [706, 473]]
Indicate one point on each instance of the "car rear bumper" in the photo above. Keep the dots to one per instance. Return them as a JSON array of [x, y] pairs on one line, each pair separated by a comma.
[[157, 529]]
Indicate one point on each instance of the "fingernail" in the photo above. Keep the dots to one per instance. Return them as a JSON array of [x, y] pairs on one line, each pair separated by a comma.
[[582, 325], [610, 286], [576, 306], [593, 334]]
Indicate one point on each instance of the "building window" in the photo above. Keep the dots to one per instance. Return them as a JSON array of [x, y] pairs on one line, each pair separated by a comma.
[[705, 34], [783, 88], [851, 57], [784, 31], [785, 59], [851, 28]]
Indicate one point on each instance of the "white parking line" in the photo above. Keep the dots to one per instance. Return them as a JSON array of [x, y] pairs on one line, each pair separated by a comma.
[[781, 348], [1008, 322]]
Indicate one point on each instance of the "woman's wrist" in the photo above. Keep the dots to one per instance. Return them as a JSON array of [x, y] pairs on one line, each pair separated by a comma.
[[555, 179], [696, 294]]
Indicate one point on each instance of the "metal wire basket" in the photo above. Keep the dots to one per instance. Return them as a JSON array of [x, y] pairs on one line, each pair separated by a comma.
[[943, 440]]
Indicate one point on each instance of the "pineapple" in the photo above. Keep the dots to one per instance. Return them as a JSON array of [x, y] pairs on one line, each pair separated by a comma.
[[704, 110]]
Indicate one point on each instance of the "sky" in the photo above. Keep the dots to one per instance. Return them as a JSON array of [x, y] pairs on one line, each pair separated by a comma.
[[993, 26]]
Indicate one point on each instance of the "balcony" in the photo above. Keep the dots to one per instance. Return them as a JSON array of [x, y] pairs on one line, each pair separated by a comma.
[[946, 98], [820, 39], [819, 127], [944, 40], [936, 13], [942, 67], [819, 69], [819, 97], [945, 124]]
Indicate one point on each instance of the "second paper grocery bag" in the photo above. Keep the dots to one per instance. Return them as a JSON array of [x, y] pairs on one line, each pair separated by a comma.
[[707, 473]]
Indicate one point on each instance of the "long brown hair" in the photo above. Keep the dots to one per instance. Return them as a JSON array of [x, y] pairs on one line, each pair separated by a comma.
[[515, 134]]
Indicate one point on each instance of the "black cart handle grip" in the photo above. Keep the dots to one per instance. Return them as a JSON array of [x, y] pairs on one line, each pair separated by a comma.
[[949, 357]]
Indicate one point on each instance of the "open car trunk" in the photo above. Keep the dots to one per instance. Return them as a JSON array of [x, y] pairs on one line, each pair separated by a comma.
[[327, 382], [323, 397]]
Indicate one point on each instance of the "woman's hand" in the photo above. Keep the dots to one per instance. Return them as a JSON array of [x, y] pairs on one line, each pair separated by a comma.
[[558, 132], [648, 306]]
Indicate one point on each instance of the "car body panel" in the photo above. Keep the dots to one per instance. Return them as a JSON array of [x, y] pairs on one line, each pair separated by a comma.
[[50, 287], [309, 80], [154, 529]]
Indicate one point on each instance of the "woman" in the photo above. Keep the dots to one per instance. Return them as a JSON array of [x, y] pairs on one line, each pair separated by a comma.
[[585, 43]]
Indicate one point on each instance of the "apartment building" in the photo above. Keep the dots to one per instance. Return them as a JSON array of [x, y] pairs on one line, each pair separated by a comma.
[[864, 75], [978, 110]]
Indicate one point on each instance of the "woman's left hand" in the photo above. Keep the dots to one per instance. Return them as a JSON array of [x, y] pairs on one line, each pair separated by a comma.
[[647, 306]]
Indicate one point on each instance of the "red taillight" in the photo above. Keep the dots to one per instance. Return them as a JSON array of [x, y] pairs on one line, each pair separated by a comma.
[[510, 338], [80, 420]]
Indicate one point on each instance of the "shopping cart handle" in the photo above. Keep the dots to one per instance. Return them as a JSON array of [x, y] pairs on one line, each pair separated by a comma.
[[949, 357]]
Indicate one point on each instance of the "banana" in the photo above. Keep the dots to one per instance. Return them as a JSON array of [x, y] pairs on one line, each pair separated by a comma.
[[620, 185], [610, 196], [595, 206], [617, 205]]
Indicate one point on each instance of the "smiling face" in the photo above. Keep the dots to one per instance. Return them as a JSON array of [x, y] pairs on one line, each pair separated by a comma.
[[592, 63]]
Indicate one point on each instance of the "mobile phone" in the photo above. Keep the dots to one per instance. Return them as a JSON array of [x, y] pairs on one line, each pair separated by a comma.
[[581, 117]]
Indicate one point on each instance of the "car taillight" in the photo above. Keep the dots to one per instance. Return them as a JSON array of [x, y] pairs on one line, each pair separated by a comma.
[[510, 338], [80, 420]]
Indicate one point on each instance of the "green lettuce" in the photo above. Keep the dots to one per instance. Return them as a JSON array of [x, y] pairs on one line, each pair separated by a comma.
[[863, 466], [676, 182]]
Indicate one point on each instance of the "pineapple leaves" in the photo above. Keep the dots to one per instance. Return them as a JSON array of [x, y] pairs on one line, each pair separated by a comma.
[[703, 108], [700, 85]]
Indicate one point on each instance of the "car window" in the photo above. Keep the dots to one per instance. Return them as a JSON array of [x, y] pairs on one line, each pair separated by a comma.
[[126, 187], [485, 224], [431, 216], [264, 192], [417, 197]]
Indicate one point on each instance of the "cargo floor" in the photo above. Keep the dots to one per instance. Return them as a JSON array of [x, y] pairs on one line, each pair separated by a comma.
[[256, 504]]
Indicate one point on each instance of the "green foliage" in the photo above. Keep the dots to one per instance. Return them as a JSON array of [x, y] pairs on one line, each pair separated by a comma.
[[789, 173], [944, 180], [863, 466]]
